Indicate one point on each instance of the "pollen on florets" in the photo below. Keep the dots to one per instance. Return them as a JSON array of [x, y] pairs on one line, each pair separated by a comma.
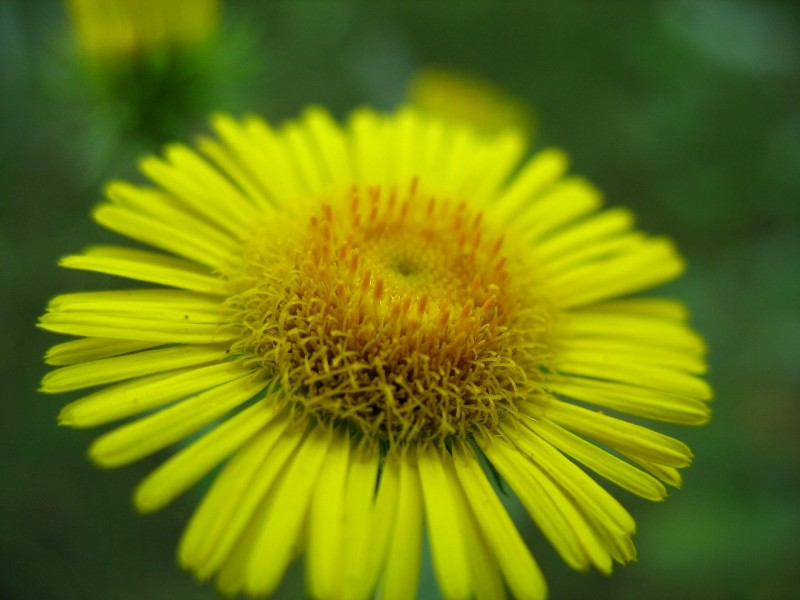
[[399, 313]]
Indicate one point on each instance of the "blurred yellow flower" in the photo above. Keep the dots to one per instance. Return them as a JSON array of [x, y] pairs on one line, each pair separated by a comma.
[[468, 98], [110, 30], [355, 318]]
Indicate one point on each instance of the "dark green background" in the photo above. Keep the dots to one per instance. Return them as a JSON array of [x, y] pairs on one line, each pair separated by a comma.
[[688, 112]]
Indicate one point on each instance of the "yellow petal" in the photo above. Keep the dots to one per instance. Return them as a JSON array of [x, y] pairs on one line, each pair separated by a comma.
[[520, 570], [633, 399], [229, 163], [582, 488], [311, 171], [150, 434], [401, 573], [539, 173], [143, 394], [186, 468], [383, 518], [448, 550], [172, 231], [669, 475], [601, 462], [604, 322], [278, 523], [359, 506], [234, 496], [203, 189], [326, 523], [119, 368], [146, 266], [133, 328], [332, 145], [632, 352], [618, 434], [651, 262], [614, 368], [568, 241], [88, 349], [527, 482], [563, 202]]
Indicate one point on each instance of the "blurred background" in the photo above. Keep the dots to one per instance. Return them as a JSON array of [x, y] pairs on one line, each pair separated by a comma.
[[688, 112]]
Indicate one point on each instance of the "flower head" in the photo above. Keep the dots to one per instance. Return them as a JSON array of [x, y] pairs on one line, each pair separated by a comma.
[[356, 317]]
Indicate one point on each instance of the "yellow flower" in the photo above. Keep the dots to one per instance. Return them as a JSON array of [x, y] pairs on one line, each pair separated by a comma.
[[464, 97], [109, 30], [358, 317]]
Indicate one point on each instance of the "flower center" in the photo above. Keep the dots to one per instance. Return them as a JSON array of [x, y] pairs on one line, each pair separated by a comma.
[[402, 315]]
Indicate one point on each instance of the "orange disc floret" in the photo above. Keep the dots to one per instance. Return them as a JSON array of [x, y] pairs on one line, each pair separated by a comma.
[[403, 314]]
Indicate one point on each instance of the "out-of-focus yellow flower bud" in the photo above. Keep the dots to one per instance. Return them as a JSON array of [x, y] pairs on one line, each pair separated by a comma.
[[119, 30], [468, 98]]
